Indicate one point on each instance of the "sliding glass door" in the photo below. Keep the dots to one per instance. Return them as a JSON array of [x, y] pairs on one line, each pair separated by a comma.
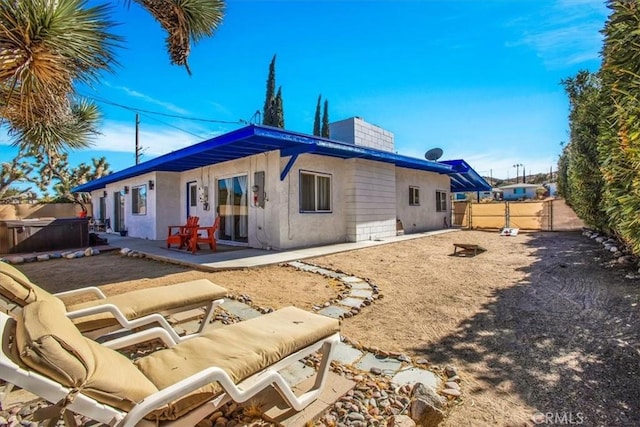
[[233, 203]]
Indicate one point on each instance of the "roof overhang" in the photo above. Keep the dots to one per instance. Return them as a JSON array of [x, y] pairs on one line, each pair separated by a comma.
[[257, 139], [464, 178]]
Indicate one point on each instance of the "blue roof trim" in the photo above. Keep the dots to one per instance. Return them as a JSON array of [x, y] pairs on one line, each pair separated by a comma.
[[464, 178], [257, 139]]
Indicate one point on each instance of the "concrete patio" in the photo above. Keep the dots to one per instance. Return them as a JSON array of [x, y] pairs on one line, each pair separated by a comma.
[[231, 257]]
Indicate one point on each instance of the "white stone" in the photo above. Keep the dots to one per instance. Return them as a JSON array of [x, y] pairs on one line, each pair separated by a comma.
[[16, 260], [44, 257]]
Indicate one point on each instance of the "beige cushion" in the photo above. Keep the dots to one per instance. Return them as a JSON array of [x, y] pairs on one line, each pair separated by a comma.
[[142, 302], [17, 288], [50, 344], [241, 350]]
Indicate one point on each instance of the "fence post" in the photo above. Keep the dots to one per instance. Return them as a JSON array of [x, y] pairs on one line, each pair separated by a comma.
[[506, 215]]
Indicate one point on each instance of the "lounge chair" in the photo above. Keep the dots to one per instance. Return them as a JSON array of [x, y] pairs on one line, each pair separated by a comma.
[[43, 353], [203, 235], [179, 234], [110, 313]]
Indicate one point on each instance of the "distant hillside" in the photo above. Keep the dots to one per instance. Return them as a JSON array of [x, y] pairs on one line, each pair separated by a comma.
[[538, 178]]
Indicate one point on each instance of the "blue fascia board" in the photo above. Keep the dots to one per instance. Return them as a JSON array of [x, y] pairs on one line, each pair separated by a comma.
[[158, 163], [256, 139], [465, 178]]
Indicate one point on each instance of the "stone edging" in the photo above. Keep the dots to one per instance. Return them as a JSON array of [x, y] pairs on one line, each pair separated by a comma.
[[359, 293]]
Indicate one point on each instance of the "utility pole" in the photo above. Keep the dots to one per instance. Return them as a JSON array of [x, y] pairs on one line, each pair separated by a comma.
[[138, 150], [517, 166]]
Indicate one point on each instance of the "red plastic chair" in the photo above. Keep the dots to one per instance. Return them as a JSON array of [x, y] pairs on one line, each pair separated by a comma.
[[204, 235], [183, 233]]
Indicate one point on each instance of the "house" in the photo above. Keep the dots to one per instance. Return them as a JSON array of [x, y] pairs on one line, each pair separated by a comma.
[[492, 194], [274, 188], [552, 188], [519, 191]]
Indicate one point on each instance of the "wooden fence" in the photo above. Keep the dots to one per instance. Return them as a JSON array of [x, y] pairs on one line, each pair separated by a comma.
[[548, 215], [40, 210]]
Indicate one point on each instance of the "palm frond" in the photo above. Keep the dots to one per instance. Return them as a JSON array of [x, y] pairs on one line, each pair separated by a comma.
[[185, 21], [45, 46], [73, 131]]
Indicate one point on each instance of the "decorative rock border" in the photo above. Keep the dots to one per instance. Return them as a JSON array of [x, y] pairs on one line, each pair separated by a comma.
[[359, 293], [619, 250], [90, 251], [21, 259]]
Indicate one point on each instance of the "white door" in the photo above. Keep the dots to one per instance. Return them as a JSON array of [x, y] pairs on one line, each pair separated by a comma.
[[192, 199]]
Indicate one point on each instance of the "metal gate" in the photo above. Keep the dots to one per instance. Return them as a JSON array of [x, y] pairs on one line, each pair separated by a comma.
[[497, 215]]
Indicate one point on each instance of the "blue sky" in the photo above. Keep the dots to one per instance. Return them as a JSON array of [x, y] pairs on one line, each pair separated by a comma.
[[479, 79]]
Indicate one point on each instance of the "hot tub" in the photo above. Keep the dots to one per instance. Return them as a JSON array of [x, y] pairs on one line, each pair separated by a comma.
[[43, 234]]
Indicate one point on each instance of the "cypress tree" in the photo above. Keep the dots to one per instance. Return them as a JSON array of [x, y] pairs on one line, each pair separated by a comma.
[[279, 110], [325, 120], [316, 119], [269, 113]]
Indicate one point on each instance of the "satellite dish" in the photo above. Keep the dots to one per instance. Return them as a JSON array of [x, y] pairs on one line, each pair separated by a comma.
[[433, 154]]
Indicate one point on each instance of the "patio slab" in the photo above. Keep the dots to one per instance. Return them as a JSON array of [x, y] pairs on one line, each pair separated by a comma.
[[333, 311], [296, 373], [351, 279], [416, 375], [329, 273], [361, 293], [346, 354], [388, 365], [352, 302], [277, 412], [360, 285], [243, 311]]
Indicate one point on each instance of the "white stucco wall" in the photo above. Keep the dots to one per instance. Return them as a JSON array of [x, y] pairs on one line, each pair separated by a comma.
[[423, 217], [298, 229], [370, 200], [167, 209], [262, 225], [138, 225]]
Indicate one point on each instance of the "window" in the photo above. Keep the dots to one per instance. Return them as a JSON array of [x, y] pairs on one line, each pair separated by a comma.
[[315, 192], [441, 201], [139, 200], [518, 191], [193, 195], [414, 196]]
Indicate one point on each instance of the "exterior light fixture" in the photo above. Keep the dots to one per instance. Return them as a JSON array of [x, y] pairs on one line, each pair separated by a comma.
[[126, 189], [151, 184]]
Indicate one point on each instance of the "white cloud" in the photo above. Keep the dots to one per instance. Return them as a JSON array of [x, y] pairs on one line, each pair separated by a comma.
[[134, 93], [565, 34], [117, 136]]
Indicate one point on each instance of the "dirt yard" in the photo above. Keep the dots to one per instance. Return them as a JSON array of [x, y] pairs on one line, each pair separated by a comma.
[[540, 322]]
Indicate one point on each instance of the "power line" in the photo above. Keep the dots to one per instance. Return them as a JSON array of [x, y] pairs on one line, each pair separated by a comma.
[[175, 116], [170, 125]]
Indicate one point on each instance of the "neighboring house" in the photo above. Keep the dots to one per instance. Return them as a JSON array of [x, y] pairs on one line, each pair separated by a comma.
[[519, 191], [552, 188], [279, 189], [493, 194]]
